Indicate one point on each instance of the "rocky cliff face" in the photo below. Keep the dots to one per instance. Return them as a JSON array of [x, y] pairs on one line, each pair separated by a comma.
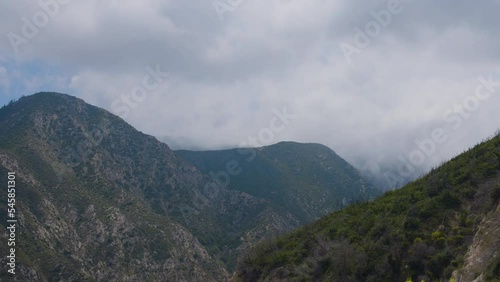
[[482, 261], [66, 234]]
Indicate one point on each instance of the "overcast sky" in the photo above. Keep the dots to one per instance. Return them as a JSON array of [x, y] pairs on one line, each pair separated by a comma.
[[366, 78]]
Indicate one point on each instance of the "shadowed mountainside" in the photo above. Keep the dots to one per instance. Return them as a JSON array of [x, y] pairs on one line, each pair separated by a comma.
[[307, 180]]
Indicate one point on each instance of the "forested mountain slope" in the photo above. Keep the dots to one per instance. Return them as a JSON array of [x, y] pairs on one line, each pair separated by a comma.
[[444, 222], [306, 180]]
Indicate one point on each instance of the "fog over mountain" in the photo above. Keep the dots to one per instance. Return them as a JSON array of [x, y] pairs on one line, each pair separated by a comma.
[[373, 81]]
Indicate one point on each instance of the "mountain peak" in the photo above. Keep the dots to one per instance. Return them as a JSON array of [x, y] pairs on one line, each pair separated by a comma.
[[49, 98], [299, 145], [44, 111], [47, 102]]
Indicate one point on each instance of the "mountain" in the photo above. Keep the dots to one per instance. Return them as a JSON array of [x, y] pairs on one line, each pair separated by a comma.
[[98, 200], [443, 225], [95, 199], [307, 180]]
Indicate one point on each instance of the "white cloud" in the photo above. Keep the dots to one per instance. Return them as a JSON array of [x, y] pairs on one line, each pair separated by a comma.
[[4, 79], [227, 77]]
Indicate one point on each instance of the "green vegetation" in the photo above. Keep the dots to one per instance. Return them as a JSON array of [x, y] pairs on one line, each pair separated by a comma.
[[421, 231], [493, 273], [97, 196], [306, 180]]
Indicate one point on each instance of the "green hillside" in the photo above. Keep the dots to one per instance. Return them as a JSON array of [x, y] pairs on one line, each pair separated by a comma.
[[422, 231], [307, 180]]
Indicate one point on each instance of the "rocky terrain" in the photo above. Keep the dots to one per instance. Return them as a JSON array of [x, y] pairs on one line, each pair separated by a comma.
[[482, 261]]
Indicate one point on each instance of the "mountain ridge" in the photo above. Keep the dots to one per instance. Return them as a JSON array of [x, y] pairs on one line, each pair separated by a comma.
[[287, 173]]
